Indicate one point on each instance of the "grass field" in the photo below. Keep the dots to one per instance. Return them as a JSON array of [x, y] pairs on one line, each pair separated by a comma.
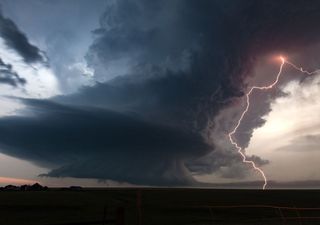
[[160, 207]]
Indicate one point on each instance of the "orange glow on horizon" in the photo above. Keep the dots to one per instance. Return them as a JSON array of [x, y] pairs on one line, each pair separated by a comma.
[[247, 95], [16, 181]]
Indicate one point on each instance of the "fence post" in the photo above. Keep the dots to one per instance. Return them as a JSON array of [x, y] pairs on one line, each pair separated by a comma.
[[298, 214], [284, 221]]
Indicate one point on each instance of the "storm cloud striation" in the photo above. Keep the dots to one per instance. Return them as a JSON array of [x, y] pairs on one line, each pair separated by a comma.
[[17, 40], [9, 76]]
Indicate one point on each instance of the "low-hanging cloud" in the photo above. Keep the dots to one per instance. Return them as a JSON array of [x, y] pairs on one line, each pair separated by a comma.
[[80, 140]]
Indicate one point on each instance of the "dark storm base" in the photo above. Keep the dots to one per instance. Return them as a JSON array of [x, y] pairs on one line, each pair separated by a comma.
[[159, 206]]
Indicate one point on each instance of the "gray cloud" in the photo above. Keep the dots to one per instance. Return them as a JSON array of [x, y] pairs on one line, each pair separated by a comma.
[[60, 28], [99, 143], [186, 61], [8, 76], [18, 41], [303, 144]]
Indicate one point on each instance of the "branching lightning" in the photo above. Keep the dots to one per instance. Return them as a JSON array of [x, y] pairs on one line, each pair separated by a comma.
[[248, 94]]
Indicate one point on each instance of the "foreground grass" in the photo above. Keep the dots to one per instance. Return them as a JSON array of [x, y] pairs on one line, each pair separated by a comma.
[[160, 206]]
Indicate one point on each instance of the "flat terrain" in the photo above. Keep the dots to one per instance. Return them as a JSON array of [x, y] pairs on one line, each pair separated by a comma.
[[160, 207]]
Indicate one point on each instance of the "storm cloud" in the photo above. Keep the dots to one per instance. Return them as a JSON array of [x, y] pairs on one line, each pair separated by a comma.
[[182, 62], [114, 145], [8, 76], [17, 40]]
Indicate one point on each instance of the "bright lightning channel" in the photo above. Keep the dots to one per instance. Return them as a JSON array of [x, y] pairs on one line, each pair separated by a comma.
[[248, 94]]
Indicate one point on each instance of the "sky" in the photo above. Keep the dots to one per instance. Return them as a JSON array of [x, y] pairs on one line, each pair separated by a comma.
[[126, 93]]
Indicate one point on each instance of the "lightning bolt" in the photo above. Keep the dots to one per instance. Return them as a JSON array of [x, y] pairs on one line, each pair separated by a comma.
[[248, 94]]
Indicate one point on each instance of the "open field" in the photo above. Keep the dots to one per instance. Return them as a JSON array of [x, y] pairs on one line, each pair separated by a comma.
[[160, 207]]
